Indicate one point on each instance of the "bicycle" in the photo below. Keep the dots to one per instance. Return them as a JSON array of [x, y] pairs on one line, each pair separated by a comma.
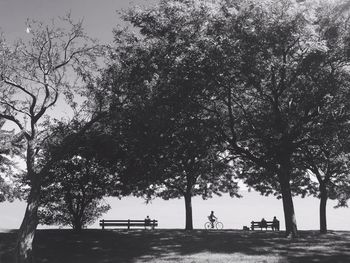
[[216, 224]]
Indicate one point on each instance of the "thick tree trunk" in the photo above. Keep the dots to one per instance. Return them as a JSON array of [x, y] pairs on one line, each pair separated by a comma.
[[188, 206], [288, 207], [323, 204], [24, 246], [77, 225], [77, 228]]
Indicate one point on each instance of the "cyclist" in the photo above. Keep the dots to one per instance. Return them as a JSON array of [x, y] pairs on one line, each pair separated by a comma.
[[212, 218]]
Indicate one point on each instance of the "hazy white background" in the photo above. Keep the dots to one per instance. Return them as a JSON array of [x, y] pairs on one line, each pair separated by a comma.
[[233, 212]]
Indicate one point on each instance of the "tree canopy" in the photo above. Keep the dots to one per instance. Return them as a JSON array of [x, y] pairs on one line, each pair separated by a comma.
[[72, 193]]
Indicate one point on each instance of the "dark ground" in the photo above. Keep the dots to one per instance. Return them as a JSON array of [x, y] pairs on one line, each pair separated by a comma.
[[97, 246]]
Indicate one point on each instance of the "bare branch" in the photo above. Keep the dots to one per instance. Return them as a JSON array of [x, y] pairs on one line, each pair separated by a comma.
[[16, 121], [4, 102], [67, 60], [21, 88]]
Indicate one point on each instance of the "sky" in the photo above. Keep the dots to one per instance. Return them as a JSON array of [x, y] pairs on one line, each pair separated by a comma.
[[100, 17]]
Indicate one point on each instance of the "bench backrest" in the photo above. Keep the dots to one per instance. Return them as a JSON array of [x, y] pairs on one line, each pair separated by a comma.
[[258, 223], [272, 224], [128, 221]]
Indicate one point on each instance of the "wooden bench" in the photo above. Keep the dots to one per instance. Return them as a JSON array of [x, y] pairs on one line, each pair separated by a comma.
[[273, 225], [129, 223]]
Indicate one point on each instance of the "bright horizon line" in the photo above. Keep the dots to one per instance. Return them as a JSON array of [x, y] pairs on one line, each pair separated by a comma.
[[233, 212]]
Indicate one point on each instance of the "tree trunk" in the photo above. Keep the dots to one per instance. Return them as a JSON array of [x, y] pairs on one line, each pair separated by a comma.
[[77, 228], [24, 246], [77, 225], [188, 205], [288, 207], [323, 204]]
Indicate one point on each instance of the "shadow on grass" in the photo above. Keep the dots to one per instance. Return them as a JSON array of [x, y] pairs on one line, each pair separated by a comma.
[[97, 246]]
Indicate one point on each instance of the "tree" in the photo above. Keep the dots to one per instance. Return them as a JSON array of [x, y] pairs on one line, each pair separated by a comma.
[[73, 192], [34, 73], [328, 162], [195, 165], [73, 189], [176, 155], [277, 68], [171, 145], [327, 159]]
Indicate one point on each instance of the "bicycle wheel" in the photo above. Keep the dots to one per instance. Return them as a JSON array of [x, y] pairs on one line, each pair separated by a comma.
[[219, 225], [207, 225]]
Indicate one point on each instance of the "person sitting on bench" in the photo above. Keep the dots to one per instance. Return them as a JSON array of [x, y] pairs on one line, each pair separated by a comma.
[[263, 223], [147, 221], [275, 224]]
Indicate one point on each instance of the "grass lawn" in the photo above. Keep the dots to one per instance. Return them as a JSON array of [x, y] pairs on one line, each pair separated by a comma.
[[160, 246]]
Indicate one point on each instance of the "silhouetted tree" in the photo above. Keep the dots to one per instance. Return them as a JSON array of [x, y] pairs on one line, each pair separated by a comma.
[[73, 192], [328, 162], [171, 147], [275, 70], [176, 155]]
